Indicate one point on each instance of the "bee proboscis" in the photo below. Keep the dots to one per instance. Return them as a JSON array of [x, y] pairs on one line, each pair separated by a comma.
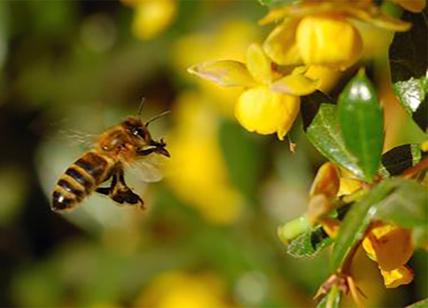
[[127, 143]]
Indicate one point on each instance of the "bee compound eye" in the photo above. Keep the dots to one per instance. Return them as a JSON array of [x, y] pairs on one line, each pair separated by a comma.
[[139, 132]]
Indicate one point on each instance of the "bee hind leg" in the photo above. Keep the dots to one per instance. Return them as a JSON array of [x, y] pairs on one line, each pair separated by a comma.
[[120, 192]]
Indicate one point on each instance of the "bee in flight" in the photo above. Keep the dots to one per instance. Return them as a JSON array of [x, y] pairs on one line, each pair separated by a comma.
[[127, 143]]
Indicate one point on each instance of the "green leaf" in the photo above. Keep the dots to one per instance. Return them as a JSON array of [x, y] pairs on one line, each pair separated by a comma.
[[322, 129], [361, 123], [309, 244], [413, 96], [420, 304], [407, 206], [332, 299], [400, 158], [356, 221], [408, 51]]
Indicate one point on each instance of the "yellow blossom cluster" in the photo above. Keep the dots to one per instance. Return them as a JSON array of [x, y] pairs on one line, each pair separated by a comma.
[[388, 245], [310, 48]]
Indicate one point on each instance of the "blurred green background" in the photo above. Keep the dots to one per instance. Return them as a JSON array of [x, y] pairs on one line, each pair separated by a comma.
[[71, 69]]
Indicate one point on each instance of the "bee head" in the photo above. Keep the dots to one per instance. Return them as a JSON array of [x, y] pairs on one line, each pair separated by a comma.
[[136, 128], [139, 130]]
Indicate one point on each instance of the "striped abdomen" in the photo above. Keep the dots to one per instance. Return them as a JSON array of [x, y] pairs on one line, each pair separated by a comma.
[[80, 179]]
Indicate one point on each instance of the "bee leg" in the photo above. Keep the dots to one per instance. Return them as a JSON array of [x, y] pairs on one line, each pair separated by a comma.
[[103, 190], [121, 193]]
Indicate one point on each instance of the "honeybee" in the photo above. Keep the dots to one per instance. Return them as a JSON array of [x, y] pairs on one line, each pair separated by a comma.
[[127, 143]]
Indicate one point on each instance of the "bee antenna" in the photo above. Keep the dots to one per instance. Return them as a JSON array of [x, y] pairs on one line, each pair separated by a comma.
[[160, 115], [140, 108]]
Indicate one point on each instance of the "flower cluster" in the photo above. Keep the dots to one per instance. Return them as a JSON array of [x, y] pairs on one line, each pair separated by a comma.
[[390, 246], [310, 48]]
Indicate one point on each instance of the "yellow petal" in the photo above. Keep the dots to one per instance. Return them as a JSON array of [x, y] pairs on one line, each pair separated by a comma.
[[326, 181], [348, 186], [265, 112], [226, 73], [258, 64], [152, 17], [328, 40], [389, 245], [378, 19], [281, 46], [327, 77], [397, 277], [414, 6], [331, 226], [295, 84]]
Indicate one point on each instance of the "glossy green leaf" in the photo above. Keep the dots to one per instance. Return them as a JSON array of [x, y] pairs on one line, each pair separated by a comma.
[[322, 129], [420, 304], [406, 206], [357, 219], [400, 158], [309, 244], [361, 123], [413, 96], [332, 299]]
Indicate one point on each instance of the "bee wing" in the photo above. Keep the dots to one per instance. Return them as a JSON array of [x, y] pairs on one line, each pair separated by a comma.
[[148, 169], [79, 138]]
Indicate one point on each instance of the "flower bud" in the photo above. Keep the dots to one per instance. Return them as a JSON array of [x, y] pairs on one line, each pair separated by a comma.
[[329, 40], [266, 112]]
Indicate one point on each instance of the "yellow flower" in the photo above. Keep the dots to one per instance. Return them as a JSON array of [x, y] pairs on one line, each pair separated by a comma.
[[197, 172], [265, 112], [328, 40], [270, 102], [178, 289], [321, 33], [151, 16], [391, 247]]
